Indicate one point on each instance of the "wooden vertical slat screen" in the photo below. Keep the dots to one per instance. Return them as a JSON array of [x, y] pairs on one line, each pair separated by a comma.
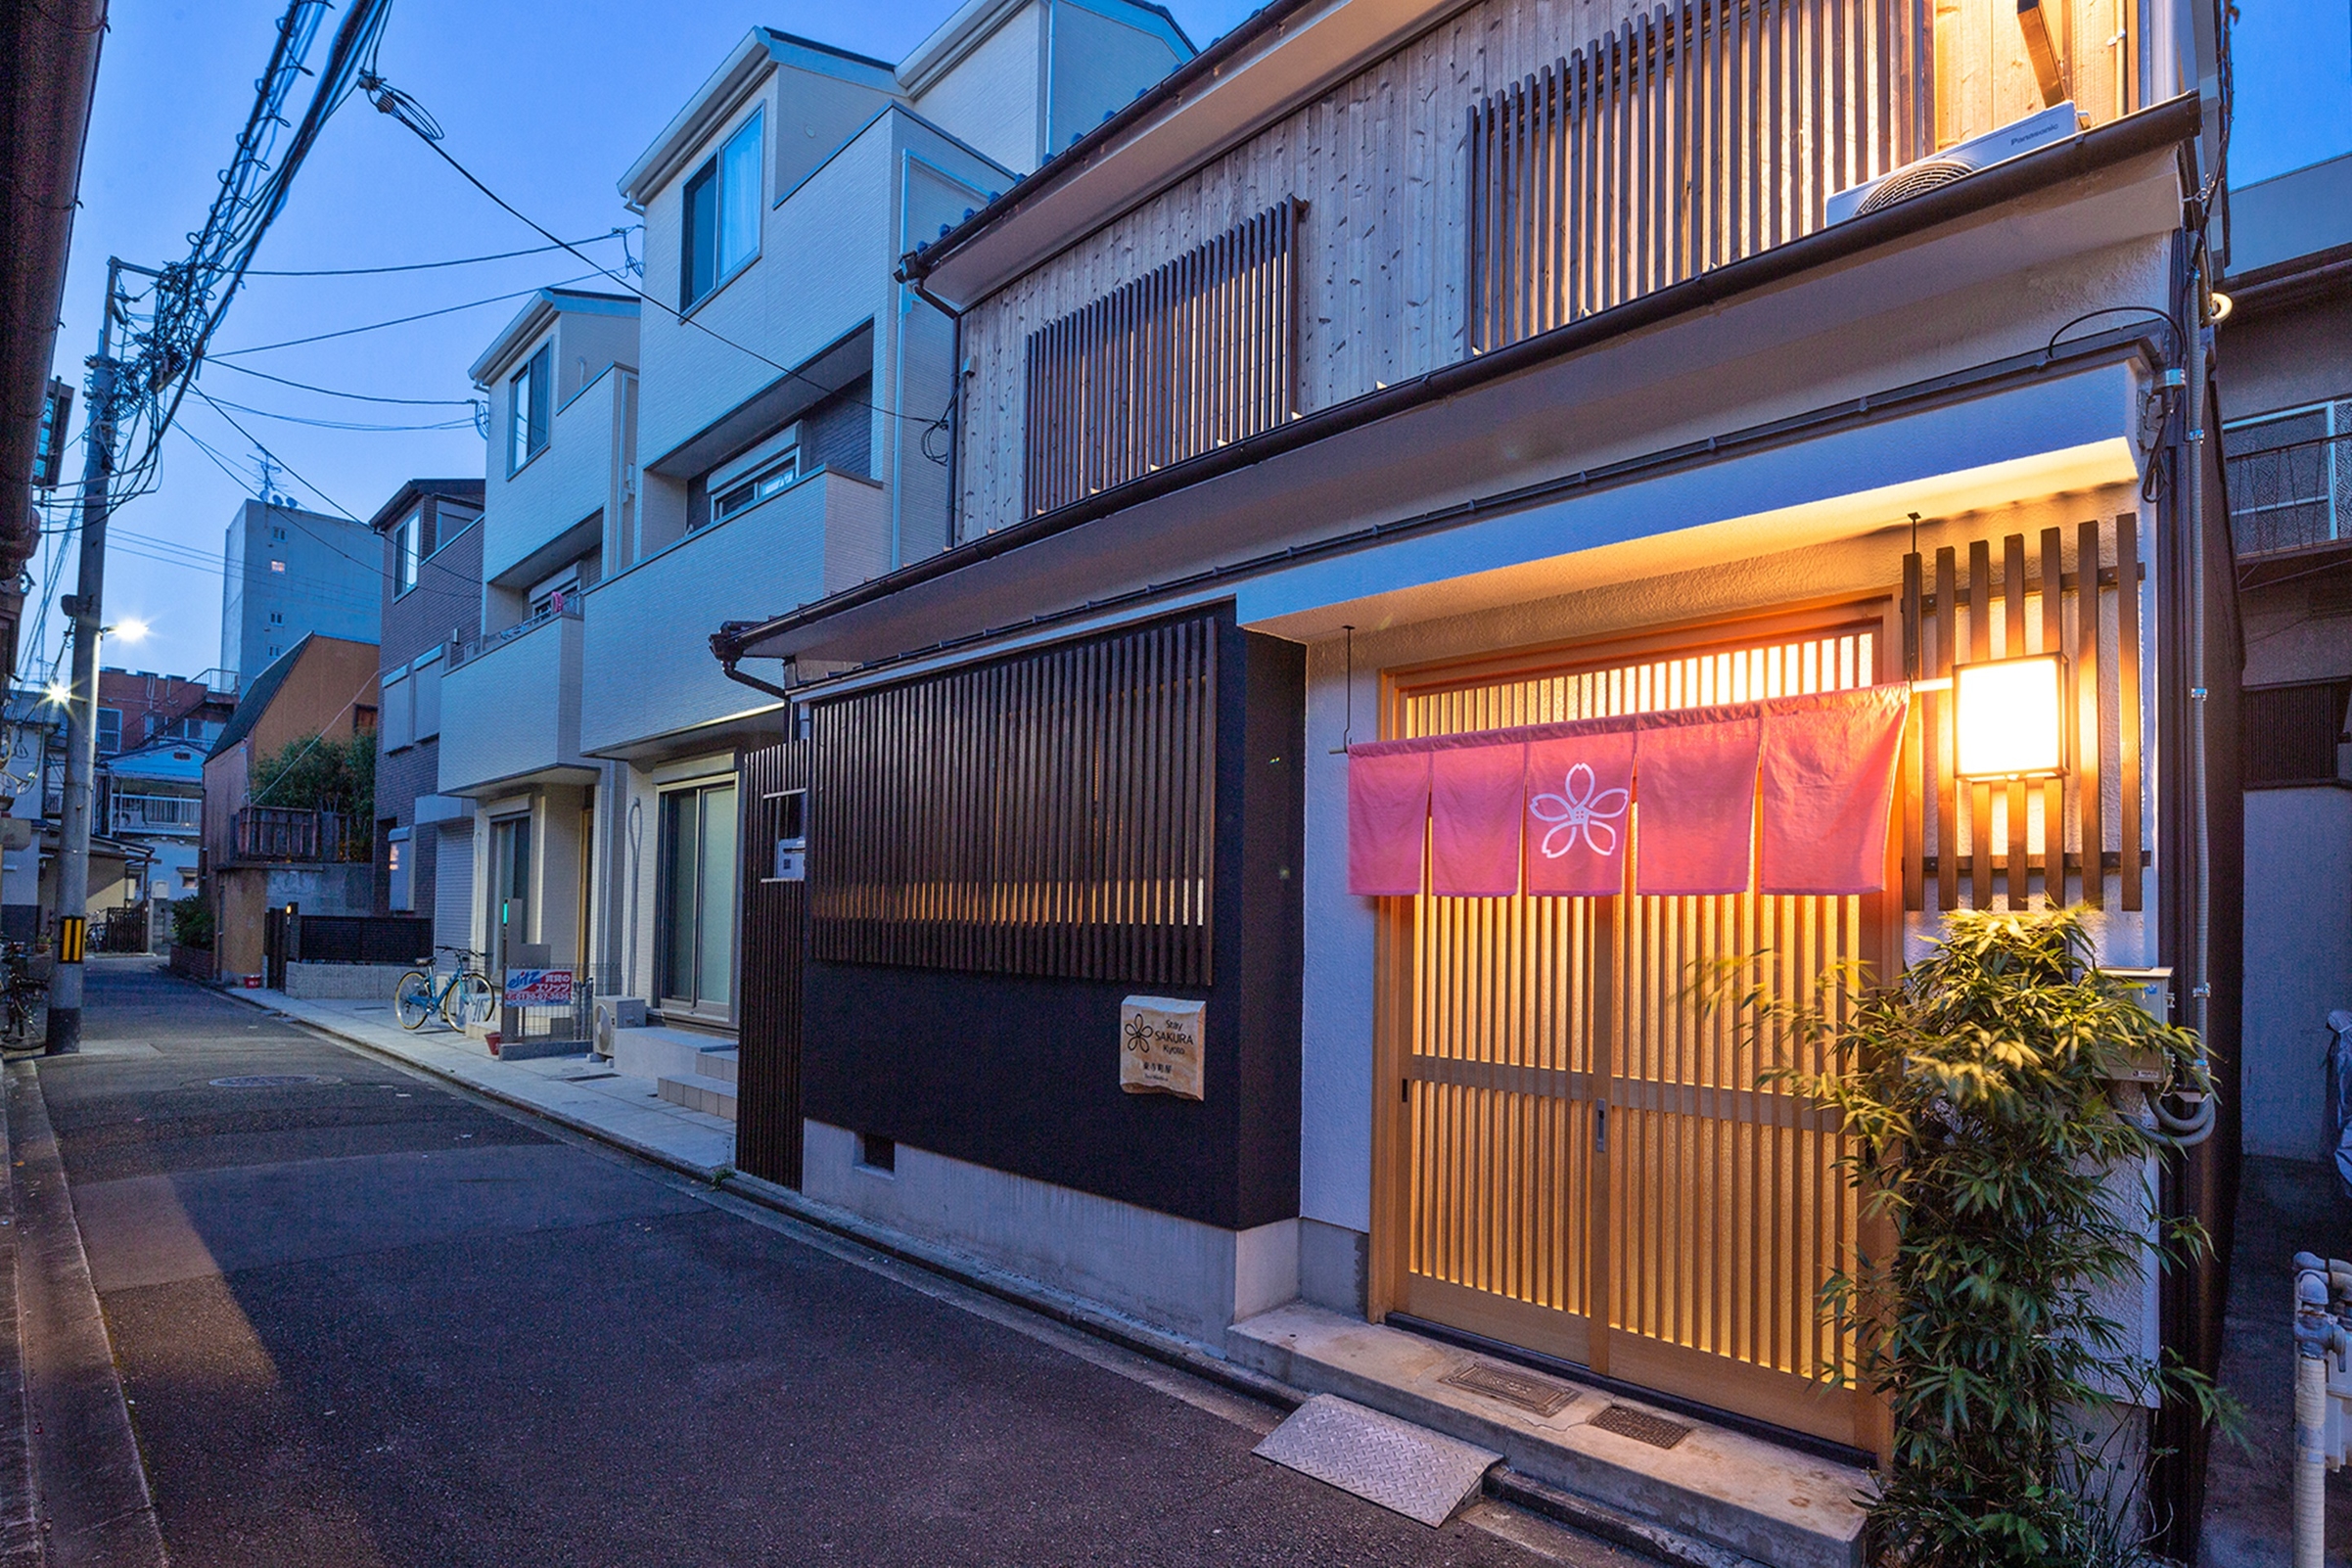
[[1051, 814], [2055, 839], [776, 931], [1191, 356], [1590, 1166], [1692, 136]]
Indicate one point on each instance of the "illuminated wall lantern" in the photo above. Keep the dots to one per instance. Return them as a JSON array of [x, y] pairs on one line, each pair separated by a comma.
[[2010, 717]]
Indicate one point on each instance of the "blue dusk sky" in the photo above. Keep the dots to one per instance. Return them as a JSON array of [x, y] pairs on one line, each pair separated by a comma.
[[548, 104]]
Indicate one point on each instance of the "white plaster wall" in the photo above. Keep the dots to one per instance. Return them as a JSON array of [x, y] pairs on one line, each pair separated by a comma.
[[1191, 1279], [989, 99], [513, 710], [569, 481], [2298, 962]]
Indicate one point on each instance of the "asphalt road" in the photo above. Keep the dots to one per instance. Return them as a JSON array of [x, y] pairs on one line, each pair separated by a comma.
[[362, 1320]]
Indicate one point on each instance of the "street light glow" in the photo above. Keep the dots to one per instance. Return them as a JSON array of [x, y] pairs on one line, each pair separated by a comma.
[[131, 628], [57, 693]]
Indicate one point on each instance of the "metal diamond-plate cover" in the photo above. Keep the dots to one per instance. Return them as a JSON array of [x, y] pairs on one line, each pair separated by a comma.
[[1418, 1473], [1538, 1394], [1641, 1426]]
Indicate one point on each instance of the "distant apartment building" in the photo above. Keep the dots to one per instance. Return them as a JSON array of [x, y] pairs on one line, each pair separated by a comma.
[[769, 427], [286, 572], [152, 734], [432, 554]]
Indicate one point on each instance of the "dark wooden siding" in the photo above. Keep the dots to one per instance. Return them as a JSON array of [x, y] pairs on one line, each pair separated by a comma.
[[775, 924], [1046, 814], [1186, 358], [1692, 136], [2291, 732]]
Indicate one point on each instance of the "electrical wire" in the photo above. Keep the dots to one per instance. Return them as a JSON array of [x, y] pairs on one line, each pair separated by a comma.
[[398, 321], [357, 397], [409, 112], [342, 423], [428, 266]]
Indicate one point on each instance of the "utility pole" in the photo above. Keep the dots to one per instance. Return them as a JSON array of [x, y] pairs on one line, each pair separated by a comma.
[[82, 696]]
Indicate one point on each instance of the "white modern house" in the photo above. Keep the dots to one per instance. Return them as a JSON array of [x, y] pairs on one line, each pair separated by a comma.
[[767, 428]]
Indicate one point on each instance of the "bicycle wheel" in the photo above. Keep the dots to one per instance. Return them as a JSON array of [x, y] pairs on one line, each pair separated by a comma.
[[468, 1001], [412, 998]]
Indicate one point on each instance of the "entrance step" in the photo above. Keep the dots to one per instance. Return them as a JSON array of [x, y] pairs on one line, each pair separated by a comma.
[[713, 1096], [656, 1052], [719, 1065], [1722, 1488]]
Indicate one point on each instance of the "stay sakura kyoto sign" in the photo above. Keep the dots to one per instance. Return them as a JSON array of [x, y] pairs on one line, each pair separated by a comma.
[[1786, 795]]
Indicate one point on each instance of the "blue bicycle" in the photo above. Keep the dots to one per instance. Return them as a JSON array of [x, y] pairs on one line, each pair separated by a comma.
[[462, 997]]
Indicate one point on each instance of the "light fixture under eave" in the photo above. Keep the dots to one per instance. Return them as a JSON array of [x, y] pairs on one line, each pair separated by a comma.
[[2010, 718]]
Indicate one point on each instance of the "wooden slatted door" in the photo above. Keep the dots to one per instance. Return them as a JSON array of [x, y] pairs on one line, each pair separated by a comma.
[[1582, 1161]]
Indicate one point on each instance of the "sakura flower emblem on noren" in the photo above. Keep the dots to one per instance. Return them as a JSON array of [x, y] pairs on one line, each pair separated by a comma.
[[1581, 809]]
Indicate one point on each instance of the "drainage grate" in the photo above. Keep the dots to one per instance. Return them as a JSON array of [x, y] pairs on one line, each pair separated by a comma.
[[1641, 1426], [1539, 1395], [271, 1080]]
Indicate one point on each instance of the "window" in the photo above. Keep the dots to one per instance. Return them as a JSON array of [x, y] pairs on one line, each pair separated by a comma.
[[408, 551], [402, 871], [277, 534], [697, 909], [1187, 358], [398, 727], [526, 408], [277, 565], [720, 228], [1095, 871], [425, 695], [277, 617], [109, 731], [2291, 479], [750, 491], [2291, 732]]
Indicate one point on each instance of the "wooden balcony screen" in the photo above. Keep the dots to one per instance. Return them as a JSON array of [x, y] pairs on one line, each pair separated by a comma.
[[2053, 839], [289, 833], [1047, 815], [1694, 135], [1200, 353]]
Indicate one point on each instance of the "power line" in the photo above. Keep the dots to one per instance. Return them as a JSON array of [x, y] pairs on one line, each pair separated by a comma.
[[342, 423], [357, 397], [408, 111], [402, 321], [426, 266]]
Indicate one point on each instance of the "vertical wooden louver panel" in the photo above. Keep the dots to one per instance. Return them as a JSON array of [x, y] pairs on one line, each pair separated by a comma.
[[1590, 1164], [1046, 814], [1191, 356], [775, 924], [1692, 135], [2058, 840]]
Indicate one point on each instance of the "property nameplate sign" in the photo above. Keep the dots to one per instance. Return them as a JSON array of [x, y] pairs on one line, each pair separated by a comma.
[[1160, 1046], [538, 988]]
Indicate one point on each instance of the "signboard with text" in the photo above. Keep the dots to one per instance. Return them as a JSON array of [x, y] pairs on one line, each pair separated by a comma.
[[538, 988]]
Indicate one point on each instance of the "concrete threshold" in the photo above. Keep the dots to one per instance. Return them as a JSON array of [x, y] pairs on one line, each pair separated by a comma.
[[1713, 1499]]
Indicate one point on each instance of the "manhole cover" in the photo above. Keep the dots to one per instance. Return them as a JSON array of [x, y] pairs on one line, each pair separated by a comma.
[[1538, 1395], [1641, 1426], [271, 1080]]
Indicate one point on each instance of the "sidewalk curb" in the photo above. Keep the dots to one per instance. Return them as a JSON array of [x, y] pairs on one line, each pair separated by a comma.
[[1501, 1484], [1013, 1289], [89, 1480]]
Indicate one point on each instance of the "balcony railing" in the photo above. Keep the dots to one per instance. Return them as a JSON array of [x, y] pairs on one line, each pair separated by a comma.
[[288, 833], [2292, 497], [566, 606], [158, 813]]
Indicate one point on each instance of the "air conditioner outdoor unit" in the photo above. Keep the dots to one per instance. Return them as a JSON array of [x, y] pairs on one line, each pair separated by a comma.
[[2053, 125]]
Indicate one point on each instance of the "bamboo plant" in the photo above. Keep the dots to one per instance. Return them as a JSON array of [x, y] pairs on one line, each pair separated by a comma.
[[1986, 1127]]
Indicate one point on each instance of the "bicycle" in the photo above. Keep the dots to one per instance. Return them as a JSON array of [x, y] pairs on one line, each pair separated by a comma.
[[461, 997]]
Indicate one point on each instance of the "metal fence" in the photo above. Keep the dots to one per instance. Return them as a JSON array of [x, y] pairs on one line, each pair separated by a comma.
[[2289, 494]]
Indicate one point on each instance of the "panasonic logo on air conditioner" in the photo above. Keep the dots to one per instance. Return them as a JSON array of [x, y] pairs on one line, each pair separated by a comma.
[[2053, 125]]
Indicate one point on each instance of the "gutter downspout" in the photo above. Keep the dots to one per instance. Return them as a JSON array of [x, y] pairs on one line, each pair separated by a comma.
[[727, 667], [957, 374]]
